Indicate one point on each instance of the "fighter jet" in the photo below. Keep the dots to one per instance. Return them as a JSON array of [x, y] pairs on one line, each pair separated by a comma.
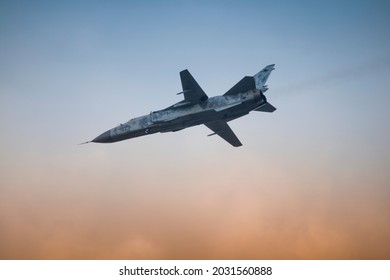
[[197, 108]]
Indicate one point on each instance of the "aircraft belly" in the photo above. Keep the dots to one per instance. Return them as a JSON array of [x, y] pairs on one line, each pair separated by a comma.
[[236, 111]]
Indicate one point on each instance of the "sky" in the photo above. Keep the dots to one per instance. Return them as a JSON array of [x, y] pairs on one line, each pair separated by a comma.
[[311, 180]]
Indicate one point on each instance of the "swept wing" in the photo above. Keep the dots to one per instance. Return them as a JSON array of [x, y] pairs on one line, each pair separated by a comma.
[[193, 93], [245, 84], [222, 129], [251, 82]]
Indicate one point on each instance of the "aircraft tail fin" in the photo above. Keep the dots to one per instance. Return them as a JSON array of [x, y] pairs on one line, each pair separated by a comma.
[[262, 76]]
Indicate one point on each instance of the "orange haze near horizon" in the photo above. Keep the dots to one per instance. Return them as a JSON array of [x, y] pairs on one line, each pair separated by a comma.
[[219, 215]]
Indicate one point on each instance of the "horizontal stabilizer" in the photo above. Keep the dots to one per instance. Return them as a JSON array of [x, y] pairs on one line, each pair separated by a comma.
[[266, 107], [246, 83]]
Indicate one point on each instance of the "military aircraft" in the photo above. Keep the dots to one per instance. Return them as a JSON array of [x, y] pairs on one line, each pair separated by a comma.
[[197, 108]]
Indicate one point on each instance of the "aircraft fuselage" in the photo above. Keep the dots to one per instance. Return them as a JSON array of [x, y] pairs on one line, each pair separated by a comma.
[[197, 108], [180, 116]]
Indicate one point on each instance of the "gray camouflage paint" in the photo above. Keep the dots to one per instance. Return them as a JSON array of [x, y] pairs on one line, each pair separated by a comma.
[[184, 114]]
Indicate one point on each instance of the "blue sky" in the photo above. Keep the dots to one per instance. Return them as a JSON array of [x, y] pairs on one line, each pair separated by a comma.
[[318, 167]]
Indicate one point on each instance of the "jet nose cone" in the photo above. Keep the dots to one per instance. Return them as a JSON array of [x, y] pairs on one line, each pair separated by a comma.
[[103, 138]]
